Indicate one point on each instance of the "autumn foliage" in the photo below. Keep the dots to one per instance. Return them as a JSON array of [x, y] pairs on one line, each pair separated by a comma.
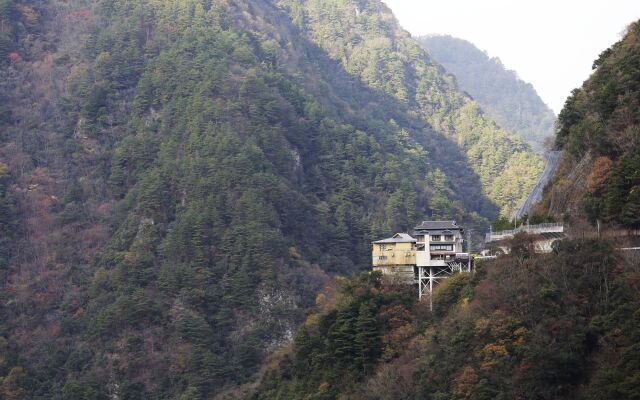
[[14, 57], [81, 14], [600, 173], [599, 128], [541, 327]]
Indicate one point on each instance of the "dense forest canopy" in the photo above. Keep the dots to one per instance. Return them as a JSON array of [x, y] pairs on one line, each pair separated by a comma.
[[179, 178], [513, 103]]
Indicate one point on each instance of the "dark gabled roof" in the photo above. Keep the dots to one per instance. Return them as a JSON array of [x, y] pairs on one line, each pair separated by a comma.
[[438, 225], [437, 232], [397, 238]]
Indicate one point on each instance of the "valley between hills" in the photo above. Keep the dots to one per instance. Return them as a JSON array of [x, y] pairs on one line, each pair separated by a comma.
[[190, 189]]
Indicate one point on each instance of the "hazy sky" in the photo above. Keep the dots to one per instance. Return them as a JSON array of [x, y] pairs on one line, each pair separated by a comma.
[[549, 43]]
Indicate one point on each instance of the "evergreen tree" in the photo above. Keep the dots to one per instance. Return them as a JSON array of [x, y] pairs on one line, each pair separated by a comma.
[[367, 339], [630, 212], [342, 336]]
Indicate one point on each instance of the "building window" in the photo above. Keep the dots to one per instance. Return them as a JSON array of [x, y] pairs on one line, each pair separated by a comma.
[[435, 238], [445, 247], [420, 247], [448, 238]]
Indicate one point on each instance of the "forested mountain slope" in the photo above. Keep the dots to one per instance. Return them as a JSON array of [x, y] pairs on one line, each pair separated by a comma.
[[178, 179], [511, 102], [563, 325], [387, 59], [599, 129], [525, 326]]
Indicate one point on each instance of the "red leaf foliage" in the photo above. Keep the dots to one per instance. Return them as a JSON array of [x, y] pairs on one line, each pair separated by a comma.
[[14, 57], [81, 14]]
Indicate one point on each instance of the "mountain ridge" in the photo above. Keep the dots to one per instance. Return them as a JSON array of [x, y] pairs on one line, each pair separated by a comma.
[[179, 192], [513, 103]]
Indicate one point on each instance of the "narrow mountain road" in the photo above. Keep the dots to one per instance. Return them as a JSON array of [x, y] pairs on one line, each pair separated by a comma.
[[536, 193]]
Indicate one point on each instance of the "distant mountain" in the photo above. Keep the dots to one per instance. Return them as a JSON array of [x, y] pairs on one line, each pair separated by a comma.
[[513, 103]]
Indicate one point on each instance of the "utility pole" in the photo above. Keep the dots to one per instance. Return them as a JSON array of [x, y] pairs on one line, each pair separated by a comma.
[[469, 248], [430, 289], [511, 210]]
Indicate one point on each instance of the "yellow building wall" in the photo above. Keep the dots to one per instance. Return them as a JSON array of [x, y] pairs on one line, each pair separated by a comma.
[[393, 254]]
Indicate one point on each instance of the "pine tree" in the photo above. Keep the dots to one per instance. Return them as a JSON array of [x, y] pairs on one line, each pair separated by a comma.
[[302, 347], [6, 9], [191, 393], [195, 329], [342, 335], [630, 213], [341, 237], [367, 338]]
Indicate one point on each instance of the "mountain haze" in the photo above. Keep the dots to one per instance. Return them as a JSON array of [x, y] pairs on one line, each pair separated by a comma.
[[178, 179], [513, 103]]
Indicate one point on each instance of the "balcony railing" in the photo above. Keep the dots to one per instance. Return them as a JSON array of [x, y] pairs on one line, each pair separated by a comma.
[[539, 228]]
